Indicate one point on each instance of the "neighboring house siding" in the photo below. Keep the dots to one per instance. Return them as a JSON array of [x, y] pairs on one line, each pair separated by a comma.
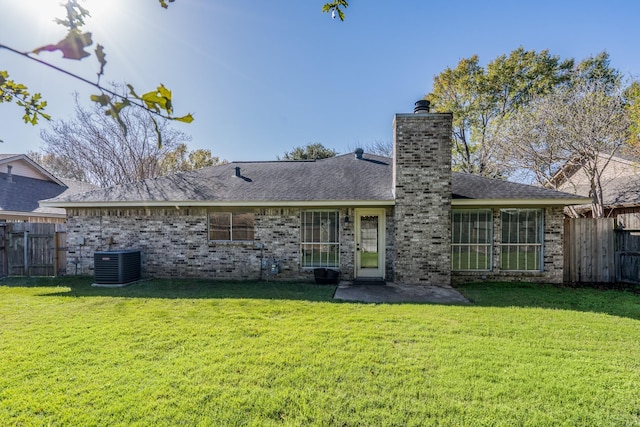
[[553, 261], [22, 168], [28, 218], [620, 182], [174, 242]]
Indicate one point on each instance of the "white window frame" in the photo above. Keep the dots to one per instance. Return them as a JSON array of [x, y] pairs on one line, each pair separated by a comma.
[[312, 243], [458, 249], [521, 243], [231, 236]]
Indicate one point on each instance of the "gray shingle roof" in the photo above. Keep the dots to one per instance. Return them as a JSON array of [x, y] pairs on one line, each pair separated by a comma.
[[467, 186], [340, 178], [337, 178], [622, 192], [22, 194]]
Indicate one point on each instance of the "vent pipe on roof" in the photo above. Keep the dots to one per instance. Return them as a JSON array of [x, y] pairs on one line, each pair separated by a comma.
[[421, 106], [238, 174], [9, 176], [359, 152]]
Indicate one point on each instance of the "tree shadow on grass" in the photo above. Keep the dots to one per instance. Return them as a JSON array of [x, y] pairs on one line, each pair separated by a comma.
[[80, 286], [621, 302], [615, 302]]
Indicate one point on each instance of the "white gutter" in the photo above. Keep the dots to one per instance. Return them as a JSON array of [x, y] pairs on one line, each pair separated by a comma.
[[519, 202], [308, 203]]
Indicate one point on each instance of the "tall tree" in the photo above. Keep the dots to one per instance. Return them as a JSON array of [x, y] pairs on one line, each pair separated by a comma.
[[597, 70], [632, 104], [577, 127], [477, 96], [309, 152], [93, 148], [181, 160]]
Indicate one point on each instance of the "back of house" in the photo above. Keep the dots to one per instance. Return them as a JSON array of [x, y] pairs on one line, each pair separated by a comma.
[[407, 219]]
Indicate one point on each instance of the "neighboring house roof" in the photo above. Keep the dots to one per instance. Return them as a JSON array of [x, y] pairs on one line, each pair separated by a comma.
[[18, 158], [620, 182], [22, 194], [337, 181], [622, 192], [28, 183]]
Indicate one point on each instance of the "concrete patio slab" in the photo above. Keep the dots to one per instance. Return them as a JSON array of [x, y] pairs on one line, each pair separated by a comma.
[[392, 292]]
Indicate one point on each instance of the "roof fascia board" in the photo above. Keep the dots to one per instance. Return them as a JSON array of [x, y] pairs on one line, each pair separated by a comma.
[[519, 202], [191, 203], [36, 214], [35, 165], [309, 203]]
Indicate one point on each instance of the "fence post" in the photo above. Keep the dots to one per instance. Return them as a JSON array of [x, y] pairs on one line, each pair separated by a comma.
[[26, 253], [55, 254], [4, 257]]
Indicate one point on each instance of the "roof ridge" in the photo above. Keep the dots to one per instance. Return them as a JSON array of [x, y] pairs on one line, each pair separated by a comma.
[[271, 161]]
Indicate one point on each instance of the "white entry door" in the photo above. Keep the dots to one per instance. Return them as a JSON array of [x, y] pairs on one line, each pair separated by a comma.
[[370, 245]]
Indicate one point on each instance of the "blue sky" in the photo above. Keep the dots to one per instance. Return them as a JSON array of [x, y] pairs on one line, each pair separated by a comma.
[[262, 77]]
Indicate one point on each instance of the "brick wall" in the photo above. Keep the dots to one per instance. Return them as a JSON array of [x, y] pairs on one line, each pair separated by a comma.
[[174, 243], [553, 261], [422, 181]]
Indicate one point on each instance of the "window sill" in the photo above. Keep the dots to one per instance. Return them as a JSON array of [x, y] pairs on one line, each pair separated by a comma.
[[231, 242]]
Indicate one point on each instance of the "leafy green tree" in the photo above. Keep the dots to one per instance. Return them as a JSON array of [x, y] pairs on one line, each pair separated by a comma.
[[632, 105], [477, 96], [12, 91], [598, 71], [310, 152], [335, 8], [181, 160]]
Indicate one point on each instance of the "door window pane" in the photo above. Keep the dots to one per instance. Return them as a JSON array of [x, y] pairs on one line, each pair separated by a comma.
[[369, 241]]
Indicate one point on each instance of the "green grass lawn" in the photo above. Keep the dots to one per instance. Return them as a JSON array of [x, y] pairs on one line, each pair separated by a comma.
[[211, 353]]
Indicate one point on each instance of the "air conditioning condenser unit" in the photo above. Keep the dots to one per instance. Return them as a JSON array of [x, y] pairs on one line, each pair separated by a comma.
[[116, 267]]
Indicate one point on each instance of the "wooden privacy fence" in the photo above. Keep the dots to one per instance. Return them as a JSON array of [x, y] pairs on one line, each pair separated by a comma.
[[628, 248], [602, 250], [589, 250], [32, 249]]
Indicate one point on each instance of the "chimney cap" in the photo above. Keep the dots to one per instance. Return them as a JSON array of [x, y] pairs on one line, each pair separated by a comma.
[[421, 106]]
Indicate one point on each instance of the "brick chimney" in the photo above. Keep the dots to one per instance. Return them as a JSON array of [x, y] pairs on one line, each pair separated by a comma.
[[422, 185]]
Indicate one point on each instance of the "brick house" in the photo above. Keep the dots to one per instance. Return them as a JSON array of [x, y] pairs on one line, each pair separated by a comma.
[[408, 219]]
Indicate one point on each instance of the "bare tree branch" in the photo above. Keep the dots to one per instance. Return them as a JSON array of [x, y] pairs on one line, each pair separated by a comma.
[[578, 128], [94, 148]]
